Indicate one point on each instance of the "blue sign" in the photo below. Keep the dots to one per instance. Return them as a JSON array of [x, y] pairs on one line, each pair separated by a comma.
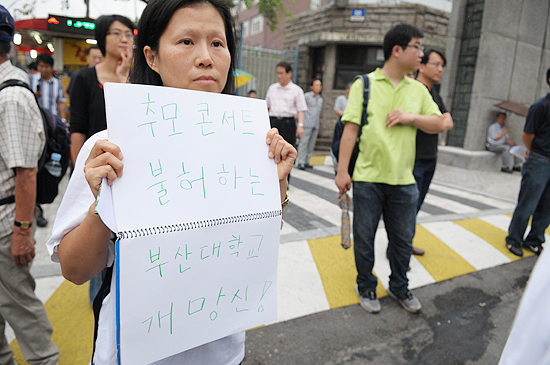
[[357, 15]]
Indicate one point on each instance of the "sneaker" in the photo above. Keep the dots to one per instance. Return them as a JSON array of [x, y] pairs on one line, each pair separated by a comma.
[[507, 169], [536, 249], [301, 167], [41, 221], [515, 249], [368, 300], [407, 301]]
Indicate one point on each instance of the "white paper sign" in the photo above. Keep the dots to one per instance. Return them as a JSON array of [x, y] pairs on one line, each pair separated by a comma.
[[198, 213]]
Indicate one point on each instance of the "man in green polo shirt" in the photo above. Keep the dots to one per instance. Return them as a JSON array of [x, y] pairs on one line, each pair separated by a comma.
[[383, 181]]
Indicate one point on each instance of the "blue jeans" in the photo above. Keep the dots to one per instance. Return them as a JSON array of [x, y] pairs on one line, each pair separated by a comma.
[[533, 200], [397, 205], [423, 173]]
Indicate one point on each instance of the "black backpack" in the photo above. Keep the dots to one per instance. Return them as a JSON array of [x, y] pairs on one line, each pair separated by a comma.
[[339, 127], [58, 140]]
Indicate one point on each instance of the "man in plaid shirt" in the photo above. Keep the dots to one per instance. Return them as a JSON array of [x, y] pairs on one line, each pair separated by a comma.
[[21, 144]]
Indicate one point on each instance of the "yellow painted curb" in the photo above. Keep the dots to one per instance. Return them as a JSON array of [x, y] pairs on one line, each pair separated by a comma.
[[72, 319]]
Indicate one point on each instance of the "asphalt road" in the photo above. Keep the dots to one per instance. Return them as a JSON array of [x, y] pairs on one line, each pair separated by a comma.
[[465, 320]]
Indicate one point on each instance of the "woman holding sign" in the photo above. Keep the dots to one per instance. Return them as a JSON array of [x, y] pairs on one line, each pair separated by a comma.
[[188, 44]]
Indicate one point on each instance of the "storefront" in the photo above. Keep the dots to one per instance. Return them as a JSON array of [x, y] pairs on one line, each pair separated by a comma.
[[67, 39]]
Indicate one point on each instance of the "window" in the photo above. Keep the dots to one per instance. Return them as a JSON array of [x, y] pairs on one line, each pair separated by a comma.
[[314, 4], [352, 60], [246, 28], [257, 25]]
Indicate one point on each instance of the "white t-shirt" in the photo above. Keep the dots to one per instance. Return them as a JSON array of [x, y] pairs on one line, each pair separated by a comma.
[[529, 341], [72, 211]]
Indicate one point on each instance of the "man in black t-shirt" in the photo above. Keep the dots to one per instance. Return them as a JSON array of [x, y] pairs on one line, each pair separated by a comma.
[[429, 72], [534, 193]]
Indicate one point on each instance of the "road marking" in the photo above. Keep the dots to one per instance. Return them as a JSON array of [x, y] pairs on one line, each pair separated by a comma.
[[440, 260], [472, 248], [472, 196], [491, 234], [72, 319], [299, 289]]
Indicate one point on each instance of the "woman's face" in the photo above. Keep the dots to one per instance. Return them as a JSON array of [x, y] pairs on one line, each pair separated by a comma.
[[119, 39], [192, 52]]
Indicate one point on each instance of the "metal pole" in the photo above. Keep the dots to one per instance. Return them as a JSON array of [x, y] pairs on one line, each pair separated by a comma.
[[295, 74], [240, 51]]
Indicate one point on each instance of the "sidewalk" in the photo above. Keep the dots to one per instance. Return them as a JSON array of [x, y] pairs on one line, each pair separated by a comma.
[[49, 279]]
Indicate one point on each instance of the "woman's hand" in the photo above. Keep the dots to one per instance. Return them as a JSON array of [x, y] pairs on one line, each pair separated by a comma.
[[282, 152], [104, 161], [123, 66]]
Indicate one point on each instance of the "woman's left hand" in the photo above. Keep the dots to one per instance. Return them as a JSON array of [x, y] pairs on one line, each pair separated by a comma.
[[282, 152]]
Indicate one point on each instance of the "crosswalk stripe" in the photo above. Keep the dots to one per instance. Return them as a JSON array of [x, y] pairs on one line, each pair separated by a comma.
[[315, 179], [503, 222], [337, 270], [449, 205], [491, 234], [477, 197], [441, 261], [418, 278], [299, 288], [472, 248], [326, 210], [73, 336]]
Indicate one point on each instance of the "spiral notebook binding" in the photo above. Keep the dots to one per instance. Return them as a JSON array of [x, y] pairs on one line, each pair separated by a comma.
[[187, 226]]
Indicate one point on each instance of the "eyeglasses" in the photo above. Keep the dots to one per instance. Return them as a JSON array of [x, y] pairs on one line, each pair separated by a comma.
[[119, 35], [418, 47], [436, 64]]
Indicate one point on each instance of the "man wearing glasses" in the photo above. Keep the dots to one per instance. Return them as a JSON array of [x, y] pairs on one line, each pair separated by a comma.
[[383, 180], [429, 72]]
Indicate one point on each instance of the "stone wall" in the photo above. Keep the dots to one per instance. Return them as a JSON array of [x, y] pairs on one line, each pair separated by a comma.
[[330, 26], [512, 59]]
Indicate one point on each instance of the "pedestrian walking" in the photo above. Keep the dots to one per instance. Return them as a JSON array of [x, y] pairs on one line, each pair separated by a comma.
[[286, 104], [314, 102]]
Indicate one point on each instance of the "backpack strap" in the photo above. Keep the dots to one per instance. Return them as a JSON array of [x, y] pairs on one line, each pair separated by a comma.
[[366, 96]]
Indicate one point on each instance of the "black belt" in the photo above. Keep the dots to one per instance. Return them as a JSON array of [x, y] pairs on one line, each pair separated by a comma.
[[540, 152], [282, 118], [8, 200]]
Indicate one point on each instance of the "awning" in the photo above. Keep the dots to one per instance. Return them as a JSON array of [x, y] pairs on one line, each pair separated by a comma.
[[513, 107]]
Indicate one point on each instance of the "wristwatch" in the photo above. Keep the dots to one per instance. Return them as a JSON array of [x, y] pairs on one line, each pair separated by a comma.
[[23, 224]]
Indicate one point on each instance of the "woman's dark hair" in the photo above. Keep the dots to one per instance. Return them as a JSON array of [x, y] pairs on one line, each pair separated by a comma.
[[102, 25], [153, 23]]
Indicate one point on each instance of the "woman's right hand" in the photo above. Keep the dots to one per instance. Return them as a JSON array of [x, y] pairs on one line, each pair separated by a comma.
[[105, 160]]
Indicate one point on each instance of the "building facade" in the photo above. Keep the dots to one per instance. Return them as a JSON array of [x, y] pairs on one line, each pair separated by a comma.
[[495, 53], [337, 42]]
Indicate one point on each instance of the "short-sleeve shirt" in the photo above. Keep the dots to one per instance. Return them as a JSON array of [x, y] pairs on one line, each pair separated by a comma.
[[341, 103], [538, 123], [285, 101], [387, 154], [494, 131], [426, 144], [52, 92], [314, 108], [21, 137]]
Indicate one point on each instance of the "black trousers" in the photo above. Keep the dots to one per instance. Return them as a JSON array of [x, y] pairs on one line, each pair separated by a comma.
[[286, 127]]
